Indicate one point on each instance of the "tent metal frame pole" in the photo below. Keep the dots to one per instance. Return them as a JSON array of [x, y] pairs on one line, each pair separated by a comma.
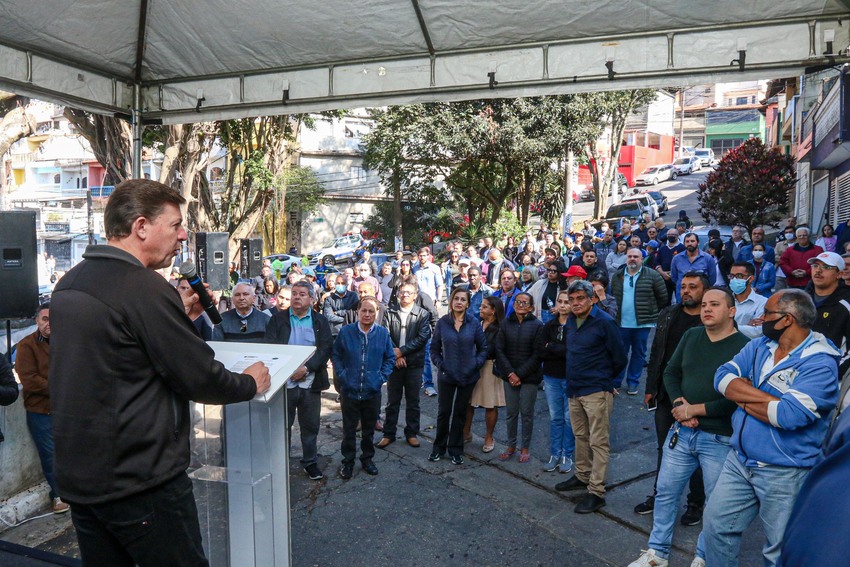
[[137, 131]]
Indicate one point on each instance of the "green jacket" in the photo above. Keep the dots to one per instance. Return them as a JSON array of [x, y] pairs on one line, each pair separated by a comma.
[[650, 294]]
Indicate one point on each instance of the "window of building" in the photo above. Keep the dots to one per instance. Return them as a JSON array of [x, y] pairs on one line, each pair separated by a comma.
[[85, 182], [357, 173], [57, 179], [355, 218], [740, 100], [722, 147], [753, 99]]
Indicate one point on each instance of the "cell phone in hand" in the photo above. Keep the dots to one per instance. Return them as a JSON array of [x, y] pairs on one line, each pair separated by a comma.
[[652, 405]]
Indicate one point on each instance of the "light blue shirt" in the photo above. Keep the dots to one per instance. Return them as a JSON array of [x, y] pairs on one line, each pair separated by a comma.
[[302, 334], [628, 315], [429, 278], [745, 311]]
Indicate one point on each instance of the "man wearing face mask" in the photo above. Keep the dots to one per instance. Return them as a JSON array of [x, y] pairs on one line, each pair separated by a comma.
[[694, 260], [785, 385], [664, 259], [749, 305], [338, 304]]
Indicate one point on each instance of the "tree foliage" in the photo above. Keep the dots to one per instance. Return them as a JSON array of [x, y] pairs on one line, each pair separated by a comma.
[[749, 187]]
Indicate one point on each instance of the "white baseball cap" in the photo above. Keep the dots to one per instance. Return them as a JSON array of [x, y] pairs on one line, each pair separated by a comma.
[[830, 259]]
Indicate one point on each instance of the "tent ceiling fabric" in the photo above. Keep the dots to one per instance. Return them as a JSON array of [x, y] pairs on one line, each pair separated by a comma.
[[249, 57]]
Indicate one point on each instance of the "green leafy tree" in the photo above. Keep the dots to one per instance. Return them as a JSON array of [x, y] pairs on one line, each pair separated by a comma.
[[749, 187]]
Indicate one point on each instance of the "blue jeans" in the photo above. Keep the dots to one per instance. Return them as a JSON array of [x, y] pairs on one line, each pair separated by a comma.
[[694, 449], [634, 340], [41, 431], [427, 372], [740, 494], [562, 442]]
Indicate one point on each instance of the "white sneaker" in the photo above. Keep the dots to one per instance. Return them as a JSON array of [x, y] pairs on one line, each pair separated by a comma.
[[649, 559], [698, 562], [566, 465], [552, 464]]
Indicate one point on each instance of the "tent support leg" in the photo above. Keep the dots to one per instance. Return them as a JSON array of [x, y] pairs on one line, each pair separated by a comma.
[[137, 131]]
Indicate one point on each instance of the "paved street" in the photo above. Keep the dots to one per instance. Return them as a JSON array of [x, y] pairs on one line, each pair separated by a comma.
[[681, 195], [484, 512]]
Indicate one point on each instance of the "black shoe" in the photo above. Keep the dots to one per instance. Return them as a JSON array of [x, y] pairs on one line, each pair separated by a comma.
[[434, 456], [646, 507], [345, 471], [589, 503], [314, 472], [457, 459], [370, 468], [572, 484], [692, 515]]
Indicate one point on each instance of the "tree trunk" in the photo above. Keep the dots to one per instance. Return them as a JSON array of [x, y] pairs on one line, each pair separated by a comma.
[[16, 124]]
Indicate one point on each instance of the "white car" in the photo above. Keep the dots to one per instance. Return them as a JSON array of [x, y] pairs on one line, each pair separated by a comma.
[[684, 165], [655, 174], [648, 204], [339, 249], [706, 156]]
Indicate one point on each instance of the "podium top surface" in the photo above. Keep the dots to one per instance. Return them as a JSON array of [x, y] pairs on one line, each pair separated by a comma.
[[282, 360]]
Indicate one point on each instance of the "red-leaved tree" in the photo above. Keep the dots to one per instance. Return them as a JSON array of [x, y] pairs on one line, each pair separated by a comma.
[[750, 187]]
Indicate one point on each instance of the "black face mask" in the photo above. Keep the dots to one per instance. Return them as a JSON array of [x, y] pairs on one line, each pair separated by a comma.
[[672, 239], [770, 331]]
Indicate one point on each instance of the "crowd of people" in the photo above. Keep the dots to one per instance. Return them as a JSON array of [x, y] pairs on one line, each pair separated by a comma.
[[746, 344], [737, 332]]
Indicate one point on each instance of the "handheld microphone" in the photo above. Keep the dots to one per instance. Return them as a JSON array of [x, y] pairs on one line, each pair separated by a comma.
[[190, 273]]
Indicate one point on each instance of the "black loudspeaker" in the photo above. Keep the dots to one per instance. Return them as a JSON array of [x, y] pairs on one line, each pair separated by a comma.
[[18, 265], [212, 259], [250, 257]]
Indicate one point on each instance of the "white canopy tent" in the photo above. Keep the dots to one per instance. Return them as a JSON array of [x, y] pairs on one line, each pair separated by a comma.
[[177, 61]]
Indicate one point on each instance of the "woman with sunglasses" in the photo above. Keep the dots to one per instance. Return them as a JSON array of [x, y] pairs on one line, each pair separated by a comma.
[[458, 351], [518, 348]]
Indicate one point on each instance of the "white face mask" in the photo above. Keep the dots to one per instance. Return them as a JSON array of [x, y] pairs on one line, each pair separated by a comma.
[[758, 254]]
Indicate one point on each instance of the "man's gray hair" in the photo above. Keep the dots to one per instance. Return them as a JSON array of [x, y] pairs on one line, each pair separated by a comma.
[[802, 229], [581, 285], [311, 291], [798, 303]]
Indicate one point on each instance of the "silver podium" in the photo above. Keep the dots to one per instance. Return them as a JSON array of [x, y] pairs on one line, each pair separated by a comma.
[[243, 499]]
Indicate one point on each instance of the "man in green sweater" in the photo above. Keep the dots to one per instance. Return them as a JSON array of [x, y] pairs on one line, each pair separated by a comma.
[[704, 419]]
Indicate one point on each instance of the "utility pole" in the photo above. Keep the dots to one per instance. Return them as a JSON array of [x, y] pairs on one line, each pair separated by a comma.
[[682, 123], [567, 219]]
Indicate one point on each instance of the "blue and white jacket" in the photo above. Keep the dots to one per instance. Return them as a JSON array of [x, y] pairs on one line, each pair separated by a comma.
[[806, 383], [362, 362]]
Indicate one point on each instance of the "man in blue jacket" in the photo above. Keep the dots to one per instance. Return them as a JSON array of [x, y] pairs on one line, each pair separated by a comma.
[[595, 357], [363, 360], [785, 385]]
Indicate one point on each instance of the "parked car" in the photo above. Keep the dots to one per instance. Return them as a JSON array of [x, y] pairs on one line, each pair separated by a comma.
[[706, 156], [687, 151], [337, 250], [659, 198], [655, 174], [627, 209], [647, 202], [287, 260], [587, 194], [685, 165]]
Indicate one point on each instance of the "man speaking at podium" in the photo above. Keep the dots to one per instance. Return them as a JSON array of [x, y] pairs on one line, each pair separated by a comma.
[[125, 361]]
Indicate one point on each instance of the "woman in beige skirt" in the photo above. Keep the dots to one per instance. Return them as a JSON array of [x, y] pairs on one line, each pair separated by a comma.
[[489, 392]]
